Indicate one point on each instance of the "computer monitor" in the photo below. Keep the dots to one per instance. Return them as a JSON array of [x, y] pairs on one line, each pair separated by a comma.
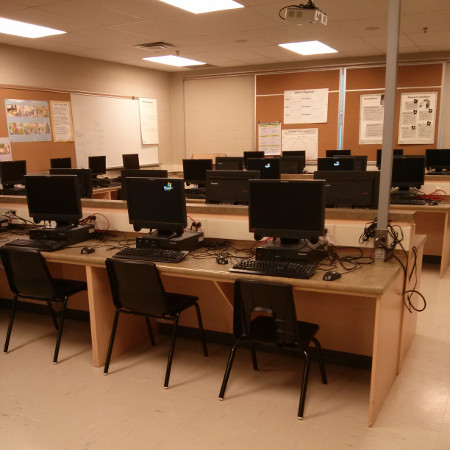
[[140, 173], [84, 177], [60, 163], [292, 164], [157, 203], [438, 159], [408, 172], [253, 154], [294, 153], [97, 164], [229, 162], [54, 198], [288, 209], [397, 152], [342, 163], [131, 161], [12, 172], [228, 186], [350, 189], [194, 170], [330, 153], [269, 168]]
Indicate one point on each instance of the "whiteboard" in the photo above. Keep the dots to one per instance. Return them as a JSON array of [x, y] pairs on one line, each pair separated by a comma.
[[108, 126]]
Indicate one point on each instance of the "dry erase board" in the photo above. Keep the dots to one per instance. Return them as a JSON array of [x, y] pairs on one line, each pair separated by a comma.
[[108, 126]]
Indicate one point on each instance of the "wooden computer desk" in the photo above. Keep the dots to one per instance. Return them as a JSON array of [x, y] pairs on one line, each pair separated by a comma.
[[361, 313]]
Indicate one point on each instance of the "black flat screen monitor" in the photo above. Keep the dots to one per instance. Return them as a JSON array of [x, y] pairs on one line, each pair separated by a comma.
[[84, 177], [60, 163], [269, 168], [194, 170], [397, 152], [12, 172], [97, 164], [294, 153], [438, 159], [330, 153], [140, 173], [54, 198], [253, 154], [408, 172], [288, 209], [229, 186], [292, 164], [229, 163], [342, 163], [131, 161], [350, 189], [157, 203]]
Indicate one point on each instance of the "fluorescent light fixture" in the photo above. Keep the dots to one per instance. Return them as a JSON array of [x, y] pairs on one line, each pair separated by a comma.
[[27, 30], [308, 48], [204, 6], [172, 60]]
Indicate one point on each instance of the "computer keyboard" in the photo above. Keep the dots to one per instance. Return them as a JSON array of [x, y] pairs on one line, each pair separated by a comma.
[[287, 269], [39, 244], [193, 195], [152, 254], [11, 191], [407, 201]]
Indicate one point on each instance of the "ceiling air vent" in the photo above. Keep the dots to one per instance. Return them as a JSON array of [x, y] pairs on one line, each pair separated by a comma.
[[156, 47]]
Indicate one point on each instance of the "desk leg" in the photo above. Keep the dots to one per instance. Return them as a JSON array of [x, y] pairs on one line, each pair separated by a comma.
[[131, 330], [386, 345], [445, 254]]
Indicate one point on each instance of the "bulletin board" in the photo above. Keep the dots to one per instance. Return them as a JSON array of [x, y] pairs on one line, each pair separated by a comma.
[[37, 154], [270, 101]]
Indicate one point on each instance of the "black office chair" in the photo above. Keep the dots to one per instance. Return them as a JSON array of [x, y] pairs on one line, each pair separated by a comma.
[[264, 313], [137, 289], [28, 277]]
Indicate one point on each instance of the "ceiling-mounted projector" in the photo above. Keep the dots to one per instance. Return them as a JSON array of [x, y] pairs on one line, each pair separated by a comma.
[[303, 14]]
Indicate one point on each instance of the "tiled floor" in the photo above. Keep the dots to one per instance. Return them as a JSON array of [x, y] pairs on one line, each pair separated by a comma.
[[73, 406]]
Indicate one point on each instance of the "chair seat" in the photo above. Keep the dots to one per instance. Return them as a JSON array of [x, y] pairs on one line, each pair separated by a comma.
[[306, 331], [66, 288], [179, 302]]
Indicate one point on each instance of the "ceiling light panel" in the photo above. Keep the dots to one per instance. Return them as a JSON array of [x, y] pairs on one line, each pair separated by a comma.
[[204, 6], [308, 48], [173, 60], [27, 30]]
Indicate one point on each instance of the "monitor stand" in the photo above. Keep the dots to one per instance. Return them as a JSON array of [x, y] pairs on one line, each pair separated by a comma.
[[299, 251], [189, 240]]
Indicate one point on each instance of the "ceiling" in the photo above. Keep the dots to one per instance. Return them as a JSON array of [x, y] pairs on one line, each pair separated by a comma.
[[110, 30]]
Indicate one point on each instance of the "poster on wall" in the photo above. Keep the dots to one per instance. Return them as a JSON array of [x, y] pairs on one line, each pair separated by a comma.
[[28, 120], [269, 138], [306, 106], [417, 118], [148, 114], [371, 116], [306, 139], [62, 125], [5, 149]]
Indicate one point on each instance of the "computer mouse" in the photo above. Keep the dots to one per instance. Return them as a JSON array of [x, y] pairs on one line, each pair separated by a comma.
[[331, 275], [87, 250], [221, 260]]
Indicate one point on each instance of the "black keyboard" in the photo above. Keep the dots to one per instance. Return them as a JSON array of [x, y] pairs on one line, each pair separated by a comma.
[[287, 269], [407, 201], [152, 254], [193, 195], [40, 244], [11, 191]]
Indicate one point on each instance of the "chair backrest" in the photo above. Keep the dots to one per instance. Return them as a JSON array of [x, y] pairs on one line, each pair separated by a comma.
[[27, 272], [265, 312], [136, 286]]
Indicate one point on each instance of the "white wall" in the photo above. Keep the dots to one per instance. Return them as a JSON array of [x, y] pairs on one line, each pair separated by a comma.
[[444, 129]]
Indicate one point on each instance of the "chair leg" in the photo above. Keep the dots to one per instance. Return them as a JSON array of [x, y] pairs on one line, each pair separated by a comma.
[[171, 350], [228, 370], [301, 405], [254, 360], [200, 326], [60, 330], [111, 341], [10, 325], [321, 361], [52, 312], [150, 331]]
